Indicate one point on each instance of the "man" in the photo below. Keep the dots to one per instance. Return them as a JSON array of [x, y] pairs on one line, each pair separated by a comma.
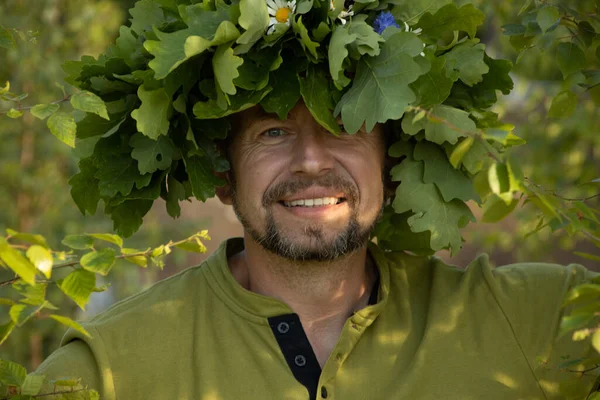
[[303, 307]]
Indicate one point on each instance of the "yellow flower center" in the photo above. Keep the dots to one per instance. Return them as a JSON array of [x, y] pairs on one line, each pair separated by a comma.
[[282, 15]]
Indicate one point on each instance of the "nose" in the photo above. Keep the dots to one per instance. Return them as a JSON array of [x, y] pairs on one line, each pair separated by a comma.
[[312, 155]]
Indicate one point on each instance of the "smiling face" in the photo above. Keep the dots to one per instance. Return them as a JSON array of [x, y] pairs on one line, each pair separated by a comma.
[[301, 192]]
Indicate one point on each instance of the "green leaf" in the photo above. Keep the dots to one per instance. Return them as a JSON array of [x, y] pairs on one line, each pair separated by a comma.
[[498, 78], [285, 93], [466, 62], [588, 256], [102, 85], [241, 101], [451, 183], [461, 149], [583, 294], [503, 135], [70, 323], [28, 237], [563, 105], [337, 54], [394, 233], [84, 187], [380, 90], [63, 126], [595, 395], [65, 382], [12, 373], [43, 111], [495, 208], [78, 286], [254, 18], [153, 115], [193, 245], [33, 294], [547, 17], [153, 154], [434, 87], [431, 213], [513, 29], [107, 237], [6, 39], [128, 216], [317, 99], [411, 11], [116, 171], [5, 89], [596, 341], [225, 66], [100, 262], [5, 331], [78, 242], [18, 263], [32, 385], [450, 18], [367, 40], [205, 29], [573, 322], [14, 114], [146, 14], [305, 40], [570, 58], [41, 258], [444, 124], [21, 313], [176, 192], [201, 177], [140, 261], [89, 102]]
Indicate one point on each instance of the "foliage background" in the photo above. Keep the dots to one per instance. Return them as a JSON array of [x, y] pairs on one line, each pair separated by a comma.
[[561, 154]]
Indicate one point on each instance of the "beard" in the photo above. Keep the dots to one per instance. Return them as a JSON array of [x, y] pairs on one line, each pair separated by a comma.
[[273, 238]]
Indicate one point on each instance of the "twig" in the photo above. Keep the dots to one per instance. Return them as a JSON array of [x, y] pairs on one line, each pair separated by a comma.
[[51, 394], [30, 107], [119, 257]]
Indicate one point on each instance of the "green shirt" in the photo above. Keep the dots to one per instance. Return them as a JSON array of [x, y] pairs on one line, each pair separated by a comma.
[[435, 332]]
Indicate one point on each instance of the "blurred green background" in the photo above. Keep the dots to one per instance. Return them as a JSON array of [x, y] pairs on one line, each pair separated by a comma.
[[561, 155]]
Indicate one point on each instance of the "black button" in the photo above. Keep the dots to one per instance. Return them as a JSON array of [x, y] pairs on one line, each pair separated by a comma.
[[323, 392], [300, 360], [283, 327]]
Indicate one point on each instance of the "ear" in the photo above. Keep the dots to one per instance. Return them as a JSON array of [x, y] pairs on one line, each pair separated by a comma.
[[224, 192]]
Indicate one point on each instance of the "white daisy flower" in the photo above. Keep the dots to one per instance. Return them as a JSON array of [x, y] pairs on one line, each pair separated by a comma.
[[416, 32], [344, 14], [280, 12]]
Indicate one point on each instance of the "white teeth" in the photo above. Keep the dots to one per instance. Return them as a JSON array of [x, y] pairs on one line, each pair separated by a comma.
[[323, 201]]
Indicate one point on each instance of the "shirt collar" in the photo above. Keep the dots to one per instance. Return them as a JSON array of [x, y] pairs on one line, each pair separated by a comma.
[[257, 307]]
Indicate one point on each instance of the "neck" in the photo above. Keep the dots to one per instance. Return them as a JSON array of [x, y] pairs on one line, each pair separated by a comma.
[[316, 291]]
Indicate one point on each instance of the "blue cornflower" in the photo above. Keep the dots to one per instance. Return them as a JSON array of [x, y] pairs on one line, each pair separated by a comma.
[[383, 20]]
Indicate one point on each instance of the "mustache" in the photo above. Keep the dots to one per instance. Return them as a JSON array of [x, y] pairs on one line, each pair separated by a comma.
[[295, 184]]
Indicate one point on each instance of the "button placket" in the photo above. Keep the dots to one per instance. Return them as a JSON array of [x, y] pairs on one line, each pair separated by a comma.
[[283, 328], [300, 360]]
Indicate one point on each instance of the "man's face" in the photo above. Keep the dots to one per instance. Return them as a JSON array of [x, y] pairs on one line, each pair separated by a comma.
[[301, 192]]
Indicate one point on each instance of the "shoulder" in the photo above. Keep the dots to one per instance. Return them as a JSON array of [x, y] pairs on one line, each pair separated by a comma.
[[162, 298]]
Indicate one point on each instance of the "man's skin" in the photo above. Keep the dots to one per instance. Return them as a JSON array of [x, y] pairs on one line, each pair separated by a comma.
[[298, 152]]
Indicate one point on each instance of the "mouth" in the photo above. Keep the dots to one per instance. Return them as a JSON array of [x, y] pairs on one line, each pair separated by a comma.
[[313, 202]]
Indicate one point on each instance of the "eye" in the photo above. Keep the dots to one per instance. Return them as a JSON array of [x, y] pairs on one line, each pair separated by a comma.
[[274, 133]]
